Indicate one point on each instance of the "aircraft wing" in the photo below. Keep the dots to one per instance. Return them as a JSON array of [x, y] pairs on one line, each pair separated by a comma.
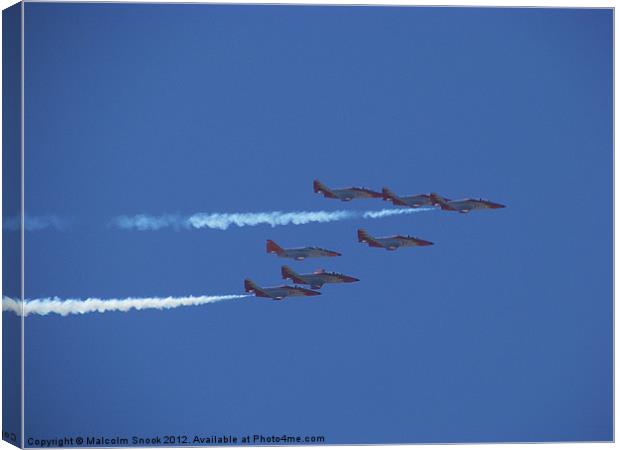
[[489, 204], [398, 201], [367, 191], [417, 241], [447, 206], [263, 293], [374, 243], [293, 277], [423, 199], [328, 194], [296, 290]]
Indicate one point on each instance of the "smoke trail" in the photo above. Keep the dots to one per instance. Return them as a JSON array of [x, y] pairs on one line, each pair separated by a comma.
[[142, 222], [275, 218], [222, 221], [35, 223], [75, 306], [393, 212]]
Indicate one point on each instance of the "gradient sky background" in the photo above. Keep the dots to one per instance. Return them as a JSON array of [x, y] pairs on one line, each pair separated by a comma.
[[502, 331]]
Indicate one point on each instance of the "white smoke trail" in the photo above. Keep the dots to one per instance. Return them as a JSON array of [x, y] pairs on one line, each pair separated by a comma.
[[393, 212], [222, 221], [142, 222], [275, 218], [35, 223], [75, 306]]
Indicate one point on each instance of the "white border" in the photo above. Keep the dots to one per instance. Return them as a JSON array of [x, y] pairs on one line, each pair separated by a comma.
[[436, 3], [21, 231], [425, 3]]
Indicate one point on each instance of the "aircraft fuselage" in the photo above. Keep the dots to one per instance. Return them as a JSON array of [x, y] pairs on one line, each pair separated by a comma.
[[466, 205], [415, 201], [300, 254], [348, 194], [316, 280], [392, 243]]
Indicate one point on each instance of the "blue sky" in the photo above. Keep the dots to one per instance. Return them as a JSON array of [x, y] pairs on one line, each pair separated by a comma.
[[501, 331]]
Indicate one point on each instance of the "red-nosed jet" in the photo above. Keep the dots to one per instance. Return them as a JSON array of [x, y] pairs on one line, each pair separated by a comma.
[[317, 279], [464, 205], [277, 292], [345, 194], [390, 242], [299, 254], [412, 201]]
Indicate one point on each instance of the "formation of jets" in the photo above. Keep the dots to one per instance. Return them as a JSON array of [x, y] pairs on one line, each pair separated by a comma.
[[433, 199], [413, 201], [319, 278]]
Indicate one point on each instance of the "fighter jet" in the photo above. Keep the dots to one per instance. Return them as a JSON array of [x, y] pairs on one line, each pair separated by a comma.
[[463, 206], [317, 279], [412, 201], [345, 194], [390, 242], [277, 292], [298, 254]]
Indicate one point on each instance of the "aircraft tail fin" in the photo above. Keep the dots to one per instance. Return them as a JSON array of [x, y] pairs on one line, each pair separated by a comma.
[[249, 285], [391, 196], [287, 272], [440, 201], [272, 247], [363, 236], [387, 194], [320, 188], [437, 199]]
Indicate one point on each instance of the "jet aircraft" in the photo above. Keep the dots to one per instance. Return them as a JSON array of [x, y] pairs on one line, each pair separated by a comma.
[[345, 194], [390, 242], [317, 279], [464, 205], [277, 292], [413, 201], [299, 254]]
